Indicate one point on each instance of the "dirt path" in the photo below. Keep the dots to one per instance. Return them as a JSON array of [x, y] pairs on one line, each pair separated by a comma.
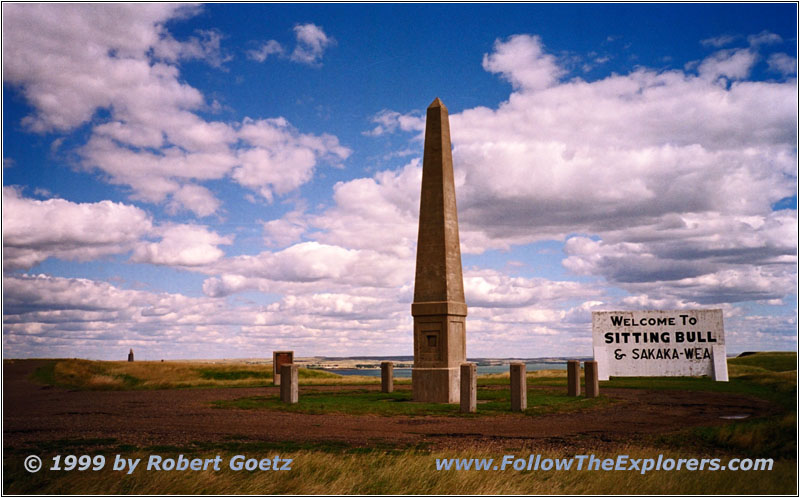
[[33, 413]]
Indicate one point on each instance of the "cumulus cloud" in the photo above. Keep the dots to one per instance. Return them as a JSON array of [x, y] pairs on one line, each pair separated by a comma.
[[521, 59], [311, 44], [277, 158], [34, 230], [311, 41], [719, 41], [326, 266], [287, 230], [206, 46], [56, 52], [182, 245], [388, 121], [707, 259], [764, 38], [732, 64], [73, 60], [266, 49], [661, 183], [379, 213], [63, 317], [782, 63], [671, 175], [195, 198]]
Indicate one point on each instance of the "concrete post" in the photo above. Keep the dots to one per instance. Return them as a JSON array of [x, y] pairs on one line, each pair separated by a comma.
[[469, 388], [387, 376], [573, 378], [592, 379], [519, 387], [289, 389]]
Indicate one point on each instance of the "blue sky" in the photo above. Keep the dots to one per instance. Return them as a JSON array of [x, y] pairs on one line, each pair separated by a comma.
[[201, 181]]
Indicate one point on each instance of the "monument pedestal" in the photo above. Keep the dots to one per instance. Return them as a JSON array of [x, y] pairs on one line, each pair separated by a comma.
[[440, 347], [436, 385]]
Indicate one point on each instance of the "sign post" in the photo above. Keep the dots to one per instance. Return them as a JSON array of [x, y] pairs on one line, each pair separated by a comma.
[[659, 343]]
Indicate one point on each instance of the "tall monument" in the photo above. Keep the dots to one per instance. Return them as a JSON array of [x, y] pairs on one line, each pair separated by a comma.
[[439, 309]]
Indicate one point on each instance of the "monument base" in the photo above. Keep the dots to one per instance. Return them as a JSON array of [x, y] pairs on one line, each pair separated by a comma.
[[436, 385]]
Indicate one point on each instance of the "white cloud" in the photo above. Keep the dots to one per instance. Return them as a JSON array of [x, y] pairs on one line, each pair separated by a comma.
[[661, 183], [674, 174], [719, 41], [734, 64], [66, 317], [328, 267], [494, 290], [287, 230], [521, 59], [35, 230], [388, 121], [379, 214], [311, 44], [265, 50], [72, 60], [279, 158], [782, 63], [764, 38], [182, 245], [56, 52], [195, 198], [703, 259], [205, 47]]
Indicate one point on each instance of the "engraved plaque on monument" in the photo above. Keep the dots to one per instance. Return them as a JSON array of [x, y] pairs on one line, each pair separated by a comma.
[[439, 309]]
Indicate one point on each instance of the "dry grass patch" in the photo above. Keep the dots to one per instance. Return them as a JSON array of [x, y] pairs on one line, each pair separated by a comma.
[[408, 472], [119, 375]]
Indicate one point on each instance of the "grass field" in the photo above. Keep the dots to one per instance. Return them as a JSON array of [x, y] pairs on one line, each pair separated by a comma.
[[337, 468], [362, 402], [123, 375]]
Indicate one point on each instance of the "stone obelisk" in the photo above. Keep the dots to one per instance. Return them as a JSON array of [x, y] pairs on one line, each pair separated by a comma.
[[439, 309]]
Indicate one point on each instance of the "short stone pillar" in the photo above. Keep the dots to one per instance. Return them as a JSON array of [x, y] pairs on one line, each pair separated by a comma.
[[387, 376], [573, 378], [289, 389], [280, 358], [519, 387], [592, 379], [130, 355], [469, 388]]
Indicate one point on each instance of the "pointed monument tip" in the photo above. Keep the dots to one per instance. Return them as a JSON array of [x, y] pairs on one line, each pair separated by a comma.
[[436, 103]]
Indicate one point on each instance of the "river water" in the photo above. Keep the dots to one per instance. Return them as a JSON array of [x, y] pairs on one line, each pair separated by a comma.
[[482, 369]]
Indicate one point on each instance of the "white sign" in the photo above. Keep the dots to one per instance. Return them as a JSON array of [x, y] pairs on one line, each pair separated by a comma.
[[659, 343]]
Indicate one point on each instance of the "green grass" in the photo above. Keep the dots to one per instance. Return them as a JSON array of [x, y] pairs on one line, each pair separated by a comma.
[[773, 361], [217, 374], [770, 376], [363, 402], [46, 374]]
